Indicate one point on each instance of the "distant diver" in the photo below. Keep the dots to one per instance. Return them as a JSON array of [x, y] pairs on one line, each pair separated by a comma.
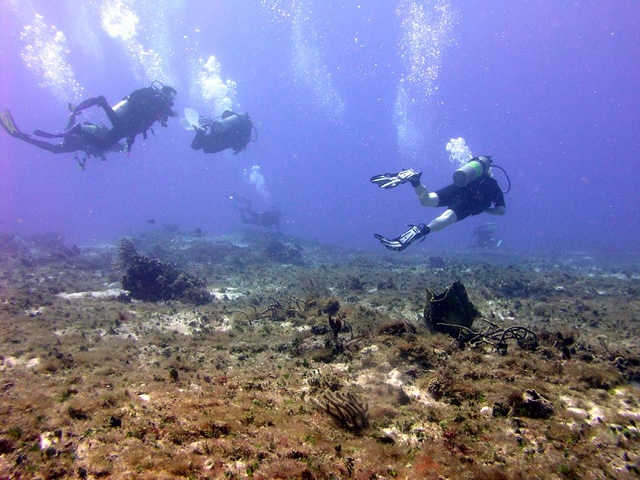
[[133, 115], [233, 130], [76, 138], [472, 192], [487, 236], [267, 219]]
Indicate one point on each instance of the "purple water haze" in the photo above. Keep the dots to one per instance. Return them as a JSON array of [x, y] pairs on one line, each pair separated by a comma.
[[550, 89]]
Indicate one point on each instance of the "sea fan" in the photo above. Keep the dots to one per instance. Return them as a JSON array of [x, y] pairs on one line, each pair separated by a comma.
[[126, 255]]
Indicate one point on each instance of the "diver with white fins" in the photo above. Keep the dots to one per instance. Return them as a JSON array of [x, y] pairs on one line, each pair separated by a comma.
[[472, 192], [231, 130]]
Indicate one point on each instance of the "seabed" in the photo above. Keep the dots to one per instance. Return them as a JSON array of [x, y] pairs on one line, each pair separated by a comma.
[[312, 362]]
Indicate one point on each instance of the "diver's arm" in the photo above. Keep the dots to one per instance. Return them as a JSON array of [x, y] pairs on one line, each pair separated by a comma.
[[501, 210], [426, 199]]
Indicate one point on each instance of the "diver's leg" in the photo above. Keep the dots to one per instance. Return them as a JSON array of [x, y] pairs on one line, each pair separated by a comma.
[[9, 125], [248, 216], [427, 199], [50, 147], [449, 217], [243, 216], [199, 140], [255, 217], [88, 103], [72, 121], [101, 102]]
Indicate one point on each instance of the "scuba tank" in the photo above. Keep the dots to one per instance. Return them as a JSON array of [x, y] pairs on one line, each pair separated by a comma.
[[229, 121], [122, 108], [476, 167]]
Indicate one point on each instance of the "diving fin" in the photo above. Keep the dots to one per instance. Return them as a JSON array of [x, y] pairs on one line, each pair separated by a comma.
[[191, 119], [392, 180], [8, 124]]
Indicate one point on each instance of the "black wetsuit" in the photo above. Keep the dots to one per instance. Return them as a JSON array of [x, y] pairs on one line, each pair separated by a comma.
[[267, 219], [232, 131], [77, 137], [132, 116], [471, 199]]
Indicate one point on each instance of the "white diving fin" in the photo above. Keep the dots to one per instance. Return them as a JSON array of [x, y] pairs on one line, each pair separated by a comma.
[[191, 119]]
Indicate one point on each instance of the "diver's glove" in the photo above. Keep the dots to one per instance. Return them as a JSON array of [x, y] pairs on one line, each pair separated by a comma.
[[416, 232], [392, 180]]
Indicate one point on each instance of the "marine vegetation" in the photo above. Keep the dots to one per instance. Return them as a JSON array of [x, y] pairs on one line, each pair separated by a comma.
[[350, 411], [151, 280], [335, 377]]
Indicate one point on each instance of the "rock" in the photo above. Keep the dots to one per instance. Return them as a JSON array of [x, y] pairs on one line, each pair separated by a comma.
[[450, 310], [534, 405]]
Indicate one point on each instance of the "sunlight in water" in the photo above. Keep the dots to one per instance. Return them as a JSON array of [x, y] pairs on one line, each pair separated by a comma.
[[309, 65], [277, 10], [427, 29], [121, 23], [410, 138], [256, 178], [45, 52], [218, 94]]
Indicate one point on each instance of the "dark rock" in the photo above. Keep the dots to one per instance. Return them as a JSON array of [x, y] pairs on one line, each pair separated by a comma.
[[283, 253], [452, 308], [152, 280], [533, 405]]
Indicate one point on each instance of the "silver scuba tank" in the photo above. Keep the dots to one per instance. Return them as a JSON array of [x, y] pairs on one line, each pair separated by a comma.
[[476, 167]]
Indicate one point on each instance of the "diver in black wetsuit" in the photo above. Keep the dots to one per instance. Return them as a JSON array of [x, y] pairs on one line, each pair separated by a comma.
[[473, 192], [487, 235], [133, 115], [76, 138], [233, 130], [267, 219]]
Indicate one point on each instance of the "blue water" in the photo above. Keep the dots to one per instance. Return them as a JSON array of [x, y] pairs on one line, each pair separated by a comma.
[[341, 91]]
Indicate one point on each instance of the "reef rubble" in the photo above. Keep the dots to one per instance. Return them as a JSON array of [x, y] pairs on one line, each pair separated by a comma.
[[302, 360]]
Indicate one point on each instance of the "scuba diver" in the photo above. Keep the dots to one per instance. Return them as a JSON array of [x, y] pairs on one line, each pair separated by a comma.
[[267, 219], [472, 192], [233, 130], [487, 235], [133, 115], [76, 138]]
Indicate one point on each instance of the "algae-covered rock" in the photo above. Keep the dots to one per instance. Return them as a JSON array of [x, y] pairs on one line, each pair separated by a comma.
[[450, 310], [151, 280]]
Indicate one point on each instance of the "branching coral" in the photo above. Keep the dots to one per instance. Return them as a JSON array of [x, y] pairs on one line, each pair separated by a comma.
[[350, 411]]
